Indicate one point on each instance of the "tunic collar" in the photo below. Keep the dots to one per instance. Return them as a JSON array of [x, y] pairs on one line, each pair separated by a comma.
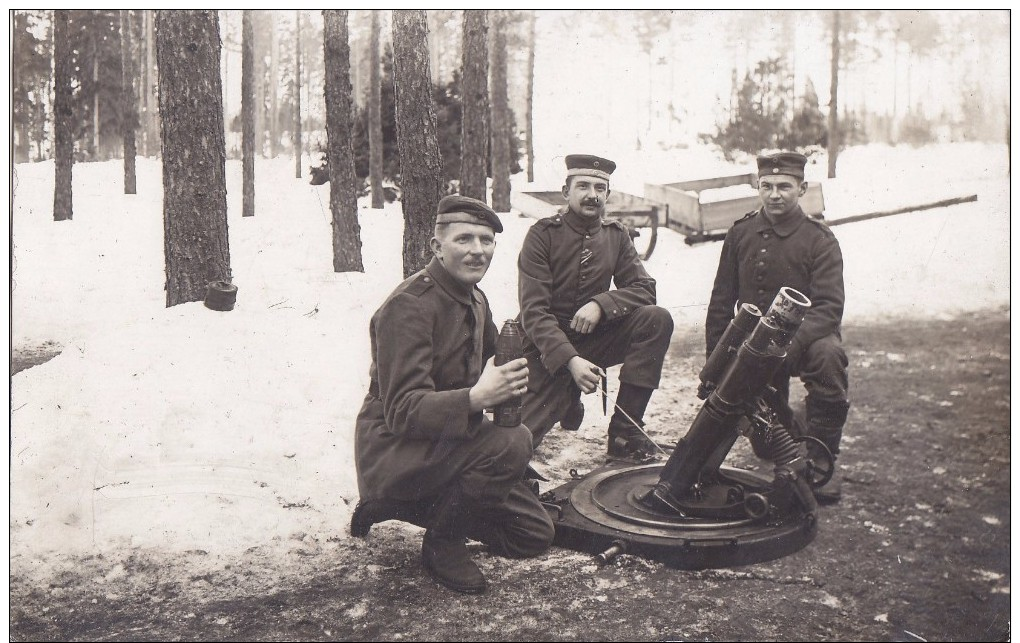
[[787, 226], [582, 224], [454, 288]]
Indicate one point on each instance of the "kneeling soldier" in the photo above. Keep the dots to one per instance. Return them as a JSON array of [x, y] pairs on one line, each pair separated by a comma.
[[424, 451]]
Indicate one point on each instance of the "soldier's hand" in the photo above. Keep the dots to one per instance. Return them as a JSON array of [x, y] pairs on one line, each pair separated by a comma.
[[499, 383], [587, 318], [586, 375]]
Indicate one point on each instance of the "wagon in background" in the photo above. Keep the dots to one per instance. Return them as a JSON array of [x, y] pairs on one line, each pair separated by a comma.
[[704, 209]]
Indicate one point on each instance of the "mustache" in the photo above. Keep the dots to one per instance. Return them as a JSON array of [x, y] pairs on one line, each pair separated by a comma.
[[591, 201]]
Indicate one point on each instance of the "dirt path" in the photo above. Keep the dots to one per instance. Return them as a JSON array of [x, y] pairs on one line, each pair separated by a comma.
[[917, 550]]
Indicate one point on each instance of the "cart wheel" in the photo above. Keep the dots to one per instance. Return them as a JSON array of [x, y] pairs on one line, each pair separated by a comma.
[[644, 239]]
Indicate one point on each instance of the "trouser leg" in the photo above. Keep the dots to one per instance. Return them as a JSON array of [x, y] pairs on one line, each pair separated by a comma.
[[546, 402], [519, 528]]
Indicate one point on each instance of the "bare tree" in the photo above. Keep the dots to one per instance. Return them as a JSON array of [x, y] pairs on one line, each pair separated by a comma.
[[129, 114], [834, 134], [274, 93], [375, 137], [195, 241], [297, 94], [149, 88], [343, 202], [63, 114], [530, 98], [500, 117], [247, 115], [474, 133], [421, 166]]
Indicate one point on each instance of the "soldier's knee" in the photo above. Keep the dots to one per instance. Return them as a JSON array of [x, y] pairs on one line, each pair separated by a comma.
[[516, 447], [655, 317], [828, 353]]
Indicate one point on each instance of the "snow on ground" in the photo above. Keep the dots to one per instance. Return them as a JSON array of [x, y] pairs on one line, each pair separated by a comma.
[[186, 428]]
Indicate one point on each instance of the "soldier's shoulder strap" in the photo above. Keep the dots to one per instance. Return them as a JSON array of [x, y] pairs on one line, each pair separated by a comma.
[[420, 284], [615, 223], [747, 217], [554, 220]]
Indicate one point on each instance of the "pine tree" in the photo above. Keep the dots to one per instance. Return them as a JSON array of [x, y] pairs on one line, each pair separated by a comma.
[[129, 114], [63, 115], [500, 117], [195, 242], [342, 183], [474, 134], [421, 169]]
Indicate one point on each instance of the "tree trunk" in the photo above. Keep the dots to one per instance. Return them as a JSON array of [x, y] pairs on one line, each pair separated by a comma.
[[274, 82], [375, 137], [343, 199], [93, 148], [500, 118], [129, 116], [474, 133], [247, 115], [195, 243], [421, 166], [530, 117], [258, 45], [834, 133], [63, 114], [151, 108], [298, 151]]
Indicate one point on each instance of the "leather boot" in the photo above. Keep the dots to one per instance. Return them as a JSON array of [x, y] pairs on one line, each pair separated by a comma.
[[825, 421], [625, 439], [444, 552], [572, 419]]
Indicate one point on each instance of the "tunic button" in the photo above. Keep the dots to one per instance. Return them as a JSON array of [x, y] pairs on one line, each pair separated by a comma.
[[614, 312], [764, 250], [761, 292], [766, 235], [761, 263], [760, 277], [427, 279]]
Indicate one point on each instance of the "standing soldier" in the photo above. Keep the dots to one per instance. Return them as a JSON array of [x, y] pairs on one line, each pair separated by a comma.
[[575, 326], [424, 451], [778, 246]]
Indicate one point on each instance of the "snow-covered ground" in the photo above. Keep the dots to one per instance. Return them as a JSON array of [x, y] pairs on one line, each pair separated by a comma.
[[186, 428]]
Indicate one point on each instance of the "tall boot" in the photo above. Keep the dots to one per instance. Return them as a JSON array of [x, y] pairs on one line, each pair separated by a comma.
[[444, 552], [825, 422], [626, 440]]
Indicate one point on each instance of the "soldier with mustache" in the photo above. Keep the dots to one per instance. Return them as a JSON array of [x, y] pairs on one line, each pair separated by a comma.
[[576, 325]]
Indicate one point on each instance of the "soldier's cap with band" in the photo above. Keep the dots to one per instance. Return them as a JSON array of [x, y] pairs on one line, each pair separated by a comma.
[[588, 165], [789, 163], [463, 209]]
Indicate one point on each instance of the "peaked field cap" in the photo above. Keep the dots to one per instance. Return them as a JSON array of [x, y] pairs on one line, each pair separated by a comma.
[[791, 163], [463, 209], [589, 165]]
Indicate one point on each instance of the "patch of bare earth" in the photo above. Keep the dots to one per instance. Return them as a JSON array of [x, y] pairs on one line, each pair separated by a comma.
[[918, 548]]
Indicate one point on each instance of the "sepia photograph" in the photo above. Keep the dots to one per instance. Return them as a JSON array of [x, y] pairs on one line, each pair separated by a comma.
[[510, 325]]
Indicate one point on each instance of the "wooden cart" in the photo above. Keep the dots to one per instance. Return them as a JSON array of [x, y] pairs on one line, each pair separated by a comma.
[[700, 219]]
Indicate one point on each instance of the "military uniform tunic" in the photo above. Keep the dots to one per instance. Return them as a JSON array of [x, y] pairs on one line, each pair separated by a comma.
[[566, 261], [758, 258], [416, 433]]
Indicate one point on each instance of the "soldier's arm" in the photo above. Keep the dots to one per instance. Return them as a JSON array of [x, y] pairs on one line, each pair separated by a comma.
[[725, 291], [827, 296], [634, 286], [534, 284], [411, 404]]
